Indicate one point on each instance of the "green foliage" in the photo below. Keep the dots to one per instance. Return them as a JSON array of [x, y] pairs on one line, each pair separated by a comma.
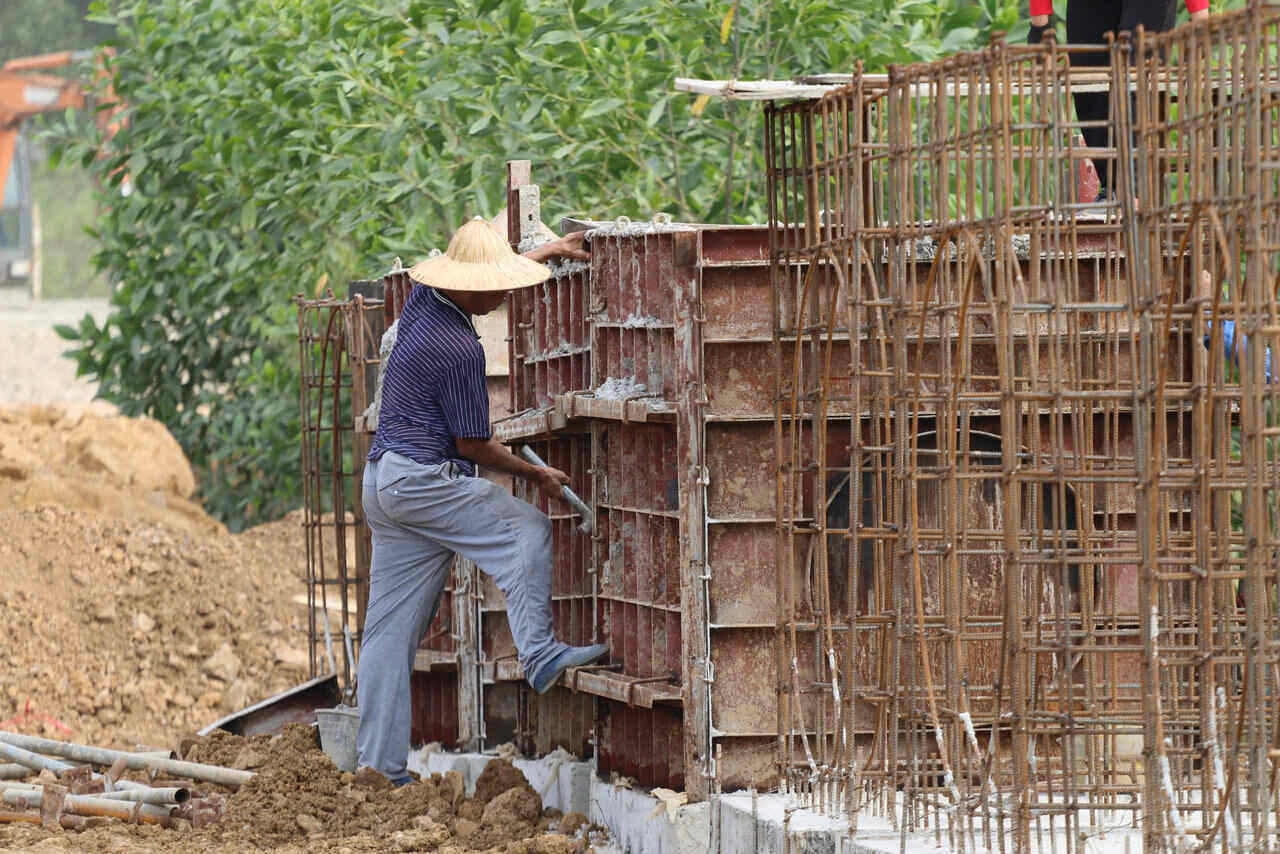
[[277, 144]]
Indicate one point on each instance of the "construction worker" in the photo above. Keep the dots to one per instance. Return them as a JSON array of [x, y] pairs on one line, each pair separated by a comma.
[[423, 501], [1088, 22]]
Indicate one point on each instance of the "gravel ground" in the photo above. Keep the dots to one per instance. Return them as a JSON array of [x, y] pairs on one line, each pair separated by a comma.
[[33, 367]]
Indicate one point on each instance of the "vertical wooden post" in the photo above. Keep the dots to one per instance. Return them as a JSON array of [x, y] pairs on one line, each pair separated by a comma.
[[519, 174]]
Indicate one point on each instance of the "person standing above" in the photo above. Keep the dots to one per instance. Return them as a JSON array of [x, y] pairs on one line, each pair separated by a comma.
[[1088, 22], [423, 501]]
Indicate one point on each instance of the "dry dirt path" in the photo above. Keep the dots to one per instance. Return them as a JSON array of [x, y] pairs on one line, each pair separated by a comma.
[[33, 368]]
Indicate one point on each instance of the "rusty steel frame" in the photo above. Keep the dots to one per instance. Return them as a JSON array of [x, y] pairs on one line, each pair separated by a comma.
[[327, 429], [671, 394], [1009, 584]]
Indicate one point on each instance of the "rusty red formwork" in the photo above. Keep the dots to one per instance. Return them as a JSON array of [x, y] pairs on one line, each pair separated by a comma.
[[512, 712], [550, 352], [435, 708], [676, 412]]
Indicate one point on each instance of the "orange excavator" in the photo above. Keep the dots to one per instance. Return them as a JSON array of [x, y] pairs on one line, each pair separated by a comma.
[[26, 90]]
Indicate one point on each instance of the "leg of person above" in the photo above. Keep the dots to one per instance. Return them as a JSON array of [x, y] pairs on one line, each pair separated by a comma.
[[1155, 16], [1088, 22], [406, 576], [508, 539]]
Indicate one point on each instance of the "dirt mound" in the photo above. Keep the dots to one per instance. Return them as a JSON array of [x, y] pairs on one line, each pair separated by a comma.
[[122, 633], [299, 801], [298, 791], [131, 618], [89, 457]]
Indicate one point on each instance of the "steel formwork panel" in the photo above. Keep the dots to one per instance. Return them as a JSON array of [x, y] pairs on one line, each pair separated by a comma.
[[550, 341], [679, 325], [573, 570], [435, 701], [643, 744], [639, 548], [633, 321]]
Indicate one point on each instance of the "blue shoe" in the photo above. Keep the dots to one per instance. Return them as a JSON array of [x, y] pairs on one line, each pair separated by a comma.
[[574, 656], [402, 780]]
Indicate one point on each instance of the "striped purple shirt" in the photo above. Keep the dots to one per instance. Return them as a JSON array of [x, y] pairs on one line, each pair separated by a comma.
[[434, 389]]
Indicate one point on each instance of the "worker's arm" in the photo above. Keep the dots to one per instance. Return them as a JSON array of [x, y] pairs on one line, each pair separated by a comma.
[[1231, 346], [466, 416], [492, 454], [570, 246]]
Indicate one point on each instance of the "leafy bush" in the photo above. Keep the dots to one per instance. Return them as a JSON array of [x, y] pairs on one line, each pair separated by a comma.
[[275, 146]]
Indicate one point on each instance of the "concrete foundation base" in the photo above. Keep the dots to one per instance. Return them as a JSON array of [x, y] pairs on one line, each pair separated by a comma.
[[641, 823]]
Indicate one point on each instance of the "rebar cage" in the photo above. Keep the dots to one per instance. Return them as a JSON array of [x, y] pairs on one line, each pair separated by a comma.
[[338, 347], [1021, 505], [325, 406]]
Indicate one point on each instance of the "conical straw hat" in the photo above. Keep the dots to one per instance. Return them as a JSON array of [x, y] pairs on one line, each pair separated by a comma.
[[479, 260]]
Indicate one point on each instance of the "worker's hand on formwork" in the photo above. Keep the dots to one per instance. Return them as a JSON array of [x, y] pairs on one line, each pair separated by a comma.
[[570, 246], [551, 481]]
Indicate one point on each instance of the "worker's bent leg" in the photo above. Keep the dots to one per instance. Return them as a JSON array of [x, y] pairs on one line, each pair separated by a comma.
[[406, 576], [507, 538]]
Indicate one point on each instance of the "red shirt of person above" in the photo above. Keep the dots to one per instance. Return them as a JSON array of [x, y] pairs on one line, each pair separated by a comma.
[[1045, 7]]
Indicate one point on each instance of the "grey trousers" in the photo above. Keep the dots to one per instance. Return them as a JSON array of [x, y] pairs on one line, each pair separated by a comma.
[[421, 516]]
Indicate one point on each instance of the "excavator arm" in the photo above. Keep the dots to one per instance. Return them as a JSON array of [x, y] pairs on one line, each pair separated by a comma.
[[25, 92]]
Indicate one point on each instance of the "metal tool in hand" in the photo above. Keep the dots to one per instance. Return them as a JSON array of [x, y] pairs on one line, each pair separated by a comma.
[[588, 516], [349, 693]]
